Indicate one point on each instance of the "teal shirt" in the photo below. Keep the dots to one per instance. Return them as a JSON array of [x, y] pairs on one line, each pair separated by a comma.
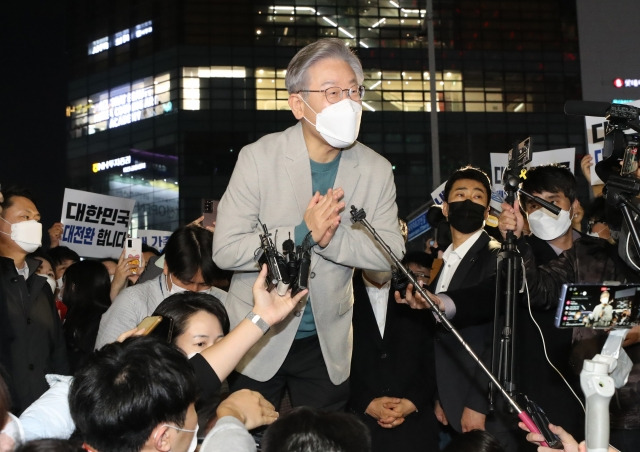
[[323, 176]]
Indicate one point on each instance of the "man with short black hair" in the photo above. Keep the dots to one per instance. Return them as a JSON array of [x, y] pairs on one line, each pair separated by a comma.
[[187, 266], [31, 340], [133, 396], [464, 290], [553, 255]]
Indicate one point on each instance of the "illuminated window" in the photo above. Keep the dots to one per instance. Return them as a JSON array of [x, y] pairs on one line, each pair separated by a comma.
[[122, 105], [385, 91]]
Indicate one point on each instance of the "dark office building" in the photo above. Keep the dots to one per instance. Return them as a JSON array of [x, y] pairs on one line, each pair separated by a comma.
[[164, 93]]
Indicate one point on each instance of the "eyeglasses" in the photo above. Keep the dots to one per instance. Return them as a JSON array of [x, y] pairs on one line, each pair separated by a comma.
[[336, 94]]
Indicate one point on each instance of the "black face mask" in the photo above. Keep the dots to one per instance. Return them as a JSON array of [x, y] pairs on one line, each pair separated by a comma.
[[466, 216]]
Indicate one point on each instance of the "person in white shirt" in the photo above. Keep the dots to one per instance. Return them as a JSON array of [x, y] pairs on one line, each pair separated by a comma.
[[464, 290]]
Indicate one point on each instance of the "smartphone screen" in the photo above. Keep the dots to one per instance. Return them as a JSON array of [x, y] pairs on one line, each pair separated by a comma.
[[630, 161], [599, 306]]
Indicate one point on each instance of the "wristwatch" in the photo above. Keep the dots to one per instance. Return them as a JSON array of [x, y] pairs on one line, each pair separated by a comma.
[[257, 321]]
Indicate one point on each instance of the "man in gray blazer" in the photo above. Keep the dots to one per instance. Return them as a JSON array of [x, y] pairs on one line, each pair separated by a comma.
[[297, 182]]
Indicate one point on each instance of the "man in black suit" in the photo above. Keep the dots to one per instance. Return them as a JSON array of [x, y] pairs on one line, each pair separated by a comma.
[[392, 368], [465, 291]]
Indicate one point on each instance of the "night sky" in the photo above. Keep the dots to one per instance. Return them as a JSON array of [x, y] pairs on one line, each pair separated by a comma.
[[33, 123]]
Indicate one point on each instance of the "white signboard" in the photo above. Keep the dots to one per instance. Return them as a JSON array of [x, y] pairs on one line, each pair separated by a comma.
[[95, 225], [438, 194], [595, 140], [565, 157], [154, 238]]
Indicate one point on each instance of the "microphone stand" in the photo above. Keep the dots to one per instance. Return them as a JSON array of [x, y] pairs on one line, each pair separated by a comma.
[[507, 285], [359, 216]]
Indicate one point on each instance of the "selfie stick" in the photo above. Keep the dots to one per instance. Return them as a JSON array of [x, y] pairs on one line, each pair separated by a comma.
[[599, 378], [359, 216]]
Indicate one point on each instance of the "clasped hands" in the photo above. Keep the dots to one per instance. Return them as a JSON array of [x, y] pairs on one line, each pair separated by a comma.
[[323, 215], [390, 412]]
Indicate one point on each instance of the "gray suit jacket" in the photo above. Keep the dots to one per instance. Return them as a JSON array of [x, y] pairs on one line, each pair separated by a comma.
[[272, 183]]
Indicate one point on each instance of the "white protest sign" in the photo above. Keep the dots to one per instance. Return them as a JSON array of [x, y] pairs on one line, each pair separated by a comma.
[[154, 238], [565, 157], [497, 197], [595, 140], [438, 194], [95, 225]]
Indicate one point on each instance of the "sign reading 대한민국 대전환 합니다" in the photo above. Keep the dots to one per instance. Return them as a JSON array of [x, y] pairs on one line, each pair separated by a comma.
[[95, 225]]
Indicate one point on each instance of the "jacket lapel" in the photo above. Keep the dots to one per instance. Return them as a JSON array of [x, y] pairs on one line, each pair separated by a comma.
[[347, 179], [468, 262], [297, 166]]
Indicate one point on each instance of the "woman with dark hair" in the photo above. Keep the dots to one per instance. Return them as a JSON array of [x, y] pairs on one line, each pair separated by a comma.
[[86, 293], [199, 320]]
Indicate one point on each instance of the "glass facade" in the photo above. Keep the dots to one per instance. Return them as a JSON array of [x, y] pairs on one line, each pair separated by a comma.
[[207, 77]]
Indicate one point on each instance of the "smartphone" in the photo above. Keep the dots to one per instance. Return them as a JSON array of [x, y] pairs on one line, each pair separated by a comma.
[[134, 248], [209, 211], [149, 324], [630, 161], [158, 326], [598, 306]]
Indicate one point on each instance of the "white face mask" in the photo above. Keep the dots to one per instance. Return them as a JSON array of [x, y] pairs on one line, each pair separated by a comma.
[[194, 440], [52, 283], [191, 355], [339, 123], [547, 226], [59, 283], [175, 288], [26, 234]]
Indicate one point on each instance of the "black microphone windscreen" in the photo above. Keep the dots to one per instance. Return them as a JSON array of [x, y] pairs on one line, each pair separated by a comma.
[[586, 108]]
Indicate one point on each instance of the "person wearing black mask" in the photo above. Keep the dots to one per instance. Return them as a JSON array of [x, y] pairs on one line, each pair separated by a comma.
[[464, 290]]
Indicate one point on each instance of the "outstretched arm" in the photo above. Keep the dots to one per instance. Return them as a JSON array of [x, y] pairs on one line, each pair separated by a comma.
[[224, 355]]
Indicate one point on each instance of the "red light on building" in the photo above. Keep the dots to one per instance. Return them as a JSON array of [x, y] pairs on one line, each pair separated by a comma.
[[618, 83]]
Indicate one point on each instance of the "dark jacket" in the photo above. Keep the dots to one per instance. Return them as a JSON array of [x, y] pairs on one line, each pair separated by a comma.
[[534, 376], [590, 260], [31, 337], [400, 364], [461, 381]]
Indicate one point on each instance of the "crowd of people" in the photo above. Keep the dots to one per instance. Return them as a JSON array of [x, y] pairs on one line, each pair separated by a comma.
[[356, 360]]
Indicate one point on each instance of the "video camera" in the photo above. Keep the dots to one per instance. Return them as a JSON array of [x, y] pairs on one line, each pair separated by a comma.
[[289, 269]]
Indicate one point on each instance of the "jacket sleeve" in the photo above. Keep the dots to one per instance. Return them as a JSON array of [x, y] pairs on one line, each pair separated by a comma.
[[121, 316], [544, 282]]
